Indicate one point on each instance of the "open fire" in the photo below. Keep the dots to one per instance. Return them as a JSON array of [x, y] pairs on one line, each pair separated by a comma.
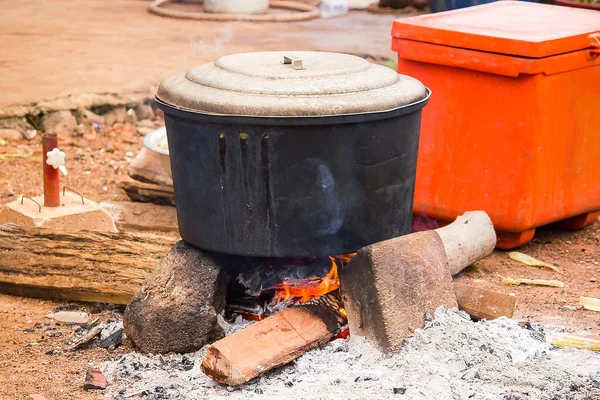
[[264, 287], [306, 290]]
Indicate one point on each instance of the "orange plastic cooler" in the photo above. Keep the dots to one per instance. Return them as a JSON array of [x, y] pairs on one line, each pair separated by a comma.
[[513, 125]]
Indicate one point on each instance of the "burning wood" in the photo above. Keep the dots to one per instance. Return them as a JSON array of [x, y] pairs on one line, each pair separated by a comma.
[[275, 341], [264, 287]]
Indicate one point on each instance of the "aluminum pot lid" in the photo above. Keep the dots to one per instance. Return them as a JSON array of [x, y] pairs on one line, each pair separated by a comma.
[[290, 83]]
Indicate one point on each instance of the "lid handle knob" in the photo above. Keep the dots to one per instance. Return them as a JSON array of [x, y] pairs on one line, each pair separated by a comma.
[[295, 61]]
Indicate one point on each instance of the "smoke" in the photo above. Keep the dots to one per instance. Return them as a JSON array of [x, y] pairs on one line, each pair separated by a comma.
[[212, 46]]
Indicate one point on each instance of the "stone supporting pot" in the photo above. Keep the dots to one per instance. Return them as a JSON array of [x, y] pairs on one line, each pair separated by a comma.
[[176, 308]]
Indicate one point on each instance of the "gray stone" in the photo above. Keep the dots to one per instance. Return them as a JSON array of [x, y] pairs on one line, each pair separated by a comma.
[[176, 308], [59, 122], [144, 111], [30, 134], [118, 114], [18, 123], [81, 128], [88, 117], [146, 123], [131, 117], [144, 131], [10, 134]]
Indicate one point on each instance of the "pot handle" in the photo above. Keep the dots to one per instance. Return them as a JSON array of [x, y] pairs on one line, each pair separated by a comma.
[[595, 45]]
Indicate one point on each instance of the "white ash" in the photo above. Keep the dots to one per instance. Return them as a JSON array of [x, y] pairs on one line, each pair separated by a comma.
[[451, 358]]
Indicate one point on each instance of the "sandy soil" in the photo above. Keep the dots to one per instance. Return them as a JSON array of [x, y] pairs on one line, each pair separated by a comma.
[[38, 363], [116, 46], [578, 256]]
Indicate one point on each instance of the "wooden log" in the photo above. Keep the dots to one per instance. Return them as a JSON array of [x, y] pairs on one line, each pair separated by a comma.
[[274, 341], [83, 266], [137, 216], [484, 304], [468, 239], [149, 193]]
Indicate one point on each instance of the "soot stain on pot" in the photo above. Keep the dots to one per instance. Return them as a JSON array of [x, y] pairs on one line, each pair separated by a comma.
[[223, 178], [327, 219], [246, 187], [265, 161]]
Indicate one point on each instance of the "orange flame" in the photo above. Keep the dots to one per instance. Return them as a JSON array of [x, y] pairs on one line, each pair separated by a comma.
[[318, 286]]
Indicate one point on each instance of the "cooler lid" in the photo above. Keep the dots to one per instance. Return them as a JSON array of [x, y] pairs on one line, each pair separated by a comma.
[[515, 28], [290, 83]]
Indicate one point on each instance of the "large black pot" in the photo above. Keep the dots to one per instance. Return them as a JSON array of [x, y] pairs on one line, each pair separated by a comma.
[[292, 185]]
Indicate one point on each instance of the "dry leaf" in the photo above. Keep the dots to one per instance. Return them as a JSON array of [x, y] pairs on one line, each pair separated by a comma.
[[534, 282], [533, 262], [577, 342], [590, 303]]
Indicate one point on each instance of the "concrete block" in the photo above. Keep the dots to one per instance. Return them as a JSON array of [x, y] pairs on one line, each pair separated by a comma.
[[389, 286], [71, 215]]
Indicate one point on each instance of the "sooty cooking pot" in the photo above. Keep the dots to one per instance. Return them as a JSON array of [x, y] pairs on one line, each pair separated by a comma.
[[292, 153]]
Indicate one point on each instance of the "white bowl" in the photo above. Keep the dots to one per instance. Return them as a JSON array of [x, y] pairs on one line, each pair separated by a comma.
[[151, 141]]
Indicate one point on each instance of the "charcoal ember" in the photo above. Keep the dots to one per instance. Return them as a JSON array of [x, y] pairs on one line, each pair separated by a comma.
[[87, 337], [176, 308], [260, 283], [537, 334], [258, 279], [112, 335], [245, 305], [187, 363], [66, 307]]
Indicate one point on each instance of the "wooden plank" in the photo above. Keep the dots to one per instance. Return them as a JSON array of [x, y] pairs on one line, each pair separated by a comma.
[[137, 216], [484, 304], [274, 341], [84, 266], [149, 193]]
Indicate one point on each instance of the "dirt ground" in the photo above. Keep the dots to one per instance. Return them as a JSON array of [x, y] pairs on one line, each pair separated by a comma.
[[36, 363], [108, 51], [98, 161], [116, 46]]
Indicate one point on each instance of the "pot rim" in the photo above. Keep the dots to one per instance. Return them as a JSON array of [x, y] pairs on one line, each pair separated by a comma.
[[293, 120]]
